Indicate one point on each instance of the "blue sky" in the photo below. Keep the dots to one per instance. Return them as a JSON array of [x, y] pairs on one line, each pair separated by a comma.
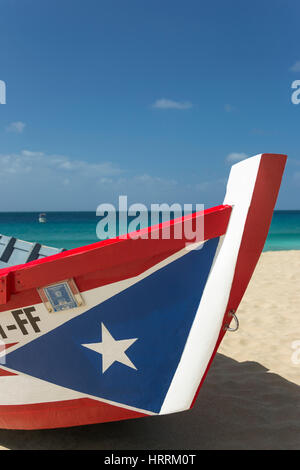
[[153, 99]]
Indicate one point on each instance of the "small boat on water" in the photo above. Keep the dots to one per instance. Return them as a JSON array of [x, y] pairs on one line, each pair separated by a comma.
[[128, 327], [42, 218]]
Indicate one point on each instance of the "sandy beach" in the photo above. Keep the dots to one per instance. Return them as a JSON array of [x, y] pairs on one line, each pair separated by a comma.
[[251, 397]]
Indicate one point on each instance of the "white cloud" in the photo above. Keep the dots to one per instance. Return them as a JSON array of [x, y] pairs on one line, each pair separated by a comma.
[[296, 66], [28, 153], [148, 179], [17, 127], [46, 182], [164, 103], [61, 167], [208, 185], [236, 157]]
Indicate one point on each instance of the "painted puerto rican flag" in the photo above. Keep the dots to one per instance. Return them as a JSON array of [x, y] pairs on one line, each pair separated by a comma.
[[151, 320]]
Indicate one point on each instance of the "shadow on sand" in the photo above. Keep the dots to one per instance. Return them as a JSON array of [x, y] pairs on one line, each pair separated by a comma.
[[240, 406]]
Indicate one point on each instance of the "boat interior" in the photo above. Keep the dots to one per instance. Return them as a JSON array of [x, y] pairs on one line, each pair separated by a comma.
[[14, 251]]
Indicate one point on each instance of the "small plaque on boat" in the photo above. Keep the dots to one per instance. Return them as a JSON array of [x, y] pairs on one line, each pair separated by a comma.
[[61, 296]]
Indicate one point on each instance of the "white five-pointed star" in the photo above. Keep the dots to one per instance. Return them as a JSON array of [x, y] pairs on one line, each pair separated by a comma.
[[112, 350]]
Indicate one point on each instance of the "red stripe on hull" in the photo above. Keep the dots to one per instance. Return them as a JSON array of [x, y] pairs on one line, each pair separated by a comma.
[[4, 372], [105, 262], [6, 346], [254, 236], [62, 414]]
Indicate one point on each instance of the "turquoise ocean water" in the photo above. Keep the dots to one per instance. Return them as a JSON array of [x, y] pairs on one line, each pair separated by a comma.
[[73, 229]]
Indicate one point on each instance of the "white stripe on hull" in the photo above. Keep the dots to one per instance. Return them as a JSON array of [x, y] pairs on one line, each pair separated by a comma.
[[25, 390], [208, 320]]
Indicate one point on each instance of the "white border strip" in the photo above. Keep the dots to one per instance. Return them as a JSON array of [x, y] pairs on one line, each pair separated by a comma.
[[209, 317], [12, 393]]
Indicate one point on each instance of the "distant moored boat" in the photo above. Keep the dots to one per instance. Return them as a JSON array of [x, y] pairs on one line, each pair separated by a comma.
[[42, 218]]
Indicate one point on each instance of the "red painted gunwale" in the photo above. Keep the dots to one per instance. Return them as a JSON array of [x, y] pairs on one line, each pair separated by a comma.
[[103, 262]]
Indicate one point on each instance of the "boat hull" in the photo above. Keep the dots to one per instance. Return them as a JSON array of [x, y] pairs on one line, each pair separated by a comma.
[[128, 327]]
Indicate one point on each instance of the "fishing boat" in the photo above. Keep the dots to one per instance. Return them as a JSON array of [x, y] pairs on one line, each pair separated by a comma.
[[128, 327]]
